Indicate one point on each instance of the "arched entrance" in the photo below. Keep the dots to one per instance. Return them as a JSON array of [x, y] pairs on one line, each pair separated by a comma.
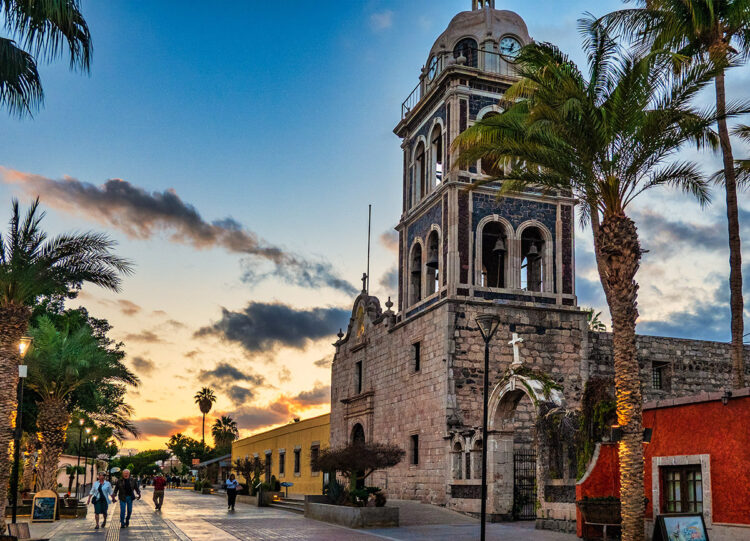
[[512, 460], [358, 438]]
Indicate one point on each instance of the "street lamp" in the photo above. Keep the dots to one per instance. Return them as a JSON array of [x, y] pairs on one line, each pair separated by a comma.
[[488, 325], [23, 348], [78, 461], [85, 458], [93, 455]]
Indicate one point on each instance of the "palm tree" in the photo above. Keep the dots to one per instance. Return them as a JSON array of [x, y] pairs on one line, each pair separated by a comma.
[[71, 471], [604, 138], [64, 361], [43, 28], [704, 30], [224, 431], [32, 266], [205, 399]]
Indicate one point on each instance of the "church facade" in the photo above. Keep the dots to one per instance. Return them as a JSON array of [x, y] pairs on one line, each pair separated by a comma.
[[412, 374]]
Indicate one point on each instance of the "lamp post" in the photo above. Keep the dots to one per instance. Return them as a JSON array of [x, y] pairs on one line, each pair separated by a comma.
[[23, 348], [93, 455], [488, 325], [85, 457], [78, 461]]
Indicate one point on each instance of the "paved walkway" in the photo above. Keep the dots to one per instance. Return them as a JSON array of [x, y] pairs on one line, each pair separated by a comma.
[[188, 516]]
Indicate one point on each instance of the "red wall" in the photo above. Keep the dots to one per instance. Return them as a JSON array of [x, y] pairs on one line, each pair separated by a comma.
[[700, 428]]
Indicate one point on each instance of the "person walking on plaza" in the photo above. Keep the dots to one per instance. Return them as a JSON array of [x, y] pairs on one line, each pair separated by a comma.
[[232, 485], [101, 491], [160, 484], [127, 490]]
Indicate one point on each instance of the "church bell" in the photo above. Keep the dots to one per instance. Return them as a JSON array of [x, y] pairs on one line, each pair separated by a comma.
[[499, 245]]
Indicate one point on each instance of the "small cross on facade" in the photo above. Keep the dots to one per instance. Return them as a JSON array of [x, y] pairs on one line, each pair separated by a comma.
[[516, 353], [364, 281]]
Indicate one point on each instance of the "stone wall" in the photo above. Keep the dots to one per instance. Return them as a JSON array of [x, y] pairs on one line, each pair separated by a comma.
[[689, 366]]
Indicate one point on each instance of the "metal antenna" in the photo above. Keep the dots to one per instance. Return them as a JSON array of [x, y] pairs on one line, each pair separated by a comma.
[[369, 227]]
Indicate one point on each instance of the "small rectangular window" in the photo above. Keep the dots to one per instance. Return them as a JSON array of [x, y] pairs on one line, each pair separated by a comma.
[[468, 465], [656, 377], [268, 467], [659, 377], [358, 377], [415, 449], [682, 489], [314, 453], [282, 456], [417, 355], [296, 460]]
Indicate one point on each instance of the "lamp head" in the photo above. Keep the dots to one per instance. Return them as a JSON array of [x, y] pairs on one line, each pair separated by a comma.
[[488, 325], [88, 430], [24, 344], [81, 421]]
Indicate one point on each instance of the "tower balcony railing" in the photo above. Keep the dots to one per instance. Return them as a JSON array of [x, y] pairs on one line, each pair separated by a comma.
[[482, 61]]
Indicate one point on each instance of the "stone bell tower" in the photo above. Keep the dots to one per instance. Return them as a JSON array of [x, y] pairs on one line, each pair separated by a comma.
[[466, 244], [413, 374]]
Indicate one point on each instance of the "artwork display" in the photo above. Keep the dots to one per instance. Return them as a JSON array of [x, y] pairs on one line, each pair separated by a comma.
[[684, 527], [44, 507]]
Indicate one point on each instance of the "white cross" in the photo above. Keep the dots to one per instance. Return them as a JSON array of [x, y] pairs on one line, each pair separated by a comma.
[[516, 354]]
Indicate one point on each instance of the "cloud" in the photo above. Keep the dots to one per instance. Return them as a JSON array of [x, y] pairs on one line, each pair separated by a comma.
[[225, 377], [318, 395], [144, 336], [143, 215], [239, 395], [262, 327], [382, 20], [389, 280], [152, 426], [389, 239], [128, 308], [662, 235], [159, 313], [225, 372], [706, 320], [285, 375], [143, 366], [325, 362]]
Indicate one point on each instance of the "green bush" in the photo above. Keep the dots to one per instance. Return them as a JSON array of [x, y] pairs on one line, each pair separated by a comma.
[[198, 486], [336, 492]]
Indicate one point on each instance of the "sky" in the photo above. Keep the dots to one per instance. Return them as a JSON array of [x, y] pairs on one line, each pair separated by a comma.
[[232, 153]]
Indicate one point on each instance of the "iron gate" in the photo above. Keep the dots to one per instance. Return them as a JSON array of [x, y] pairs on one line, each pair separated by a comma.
[[524, 485]]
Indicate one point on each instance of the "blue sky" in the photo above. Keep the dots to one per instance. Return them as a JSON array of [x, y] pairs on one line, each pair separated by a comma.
[[280, 116]]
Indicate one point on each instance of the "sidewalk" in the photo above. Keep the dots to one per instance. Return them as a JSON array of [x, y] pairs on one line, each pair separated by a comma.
[[188, 516]]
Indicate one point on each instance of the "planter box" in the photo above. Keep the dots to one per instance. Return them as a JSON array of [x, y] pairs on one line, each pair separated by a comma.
[[206, 490], [250, 500], [600, 512], [352, 517]]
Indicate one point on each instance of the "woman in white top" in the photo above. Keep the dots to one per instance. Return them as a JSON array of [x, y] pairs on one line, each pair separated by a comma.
[[232, 485], [101, 492]]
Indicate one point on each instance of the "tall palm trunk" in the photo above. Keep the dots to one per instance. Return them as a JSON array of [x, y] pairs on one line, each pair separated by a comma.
[[621, 254], [52, 421], [28, 463], [735, 254], [14, 320], [203, 437]]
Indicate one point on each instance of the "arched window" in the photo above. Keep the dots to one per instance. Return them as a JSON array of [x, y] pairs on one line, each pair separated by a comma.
[[420, 170], [532, 259], [474, 464], [436, 152], [433, 263], [494, 256], [458, 466], [467, 48], [415, 275]]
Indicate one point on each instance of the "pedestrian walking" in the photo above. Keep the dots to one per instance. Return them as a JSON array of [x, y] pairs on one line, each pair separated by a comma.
[[159, 484], [232, 485], [126, 489], [100, 493]]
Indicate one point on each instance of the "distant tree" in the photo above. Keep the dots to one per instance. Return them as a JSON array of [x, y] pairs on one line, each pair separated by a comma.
[[71, 472], [224, 432], [145, 461], [186, 448], [592, 318], [205, 399], [357, 461], [44, 29]]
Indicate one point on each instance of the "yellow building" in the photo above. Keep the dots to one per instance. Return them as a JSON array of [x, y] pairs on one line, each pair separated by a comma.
[[287, 452]]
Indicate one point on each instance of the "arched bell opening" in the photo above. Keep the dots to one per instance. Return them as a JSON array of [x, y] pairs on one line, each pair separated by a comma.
[[494, 256], [533, 250], [432, 264], [415, 274]]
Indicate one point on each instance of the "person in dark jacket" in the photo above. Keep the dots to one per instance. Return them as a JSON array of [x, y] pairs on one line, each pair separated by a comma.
[[127, 490]]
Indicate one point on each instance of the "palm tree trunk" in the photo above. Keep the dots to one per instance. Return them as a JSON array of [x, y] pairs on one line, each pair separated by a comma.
[[14, 320], [735, 255], [52, 421], [203, 437], [28, 465], [621, 253]]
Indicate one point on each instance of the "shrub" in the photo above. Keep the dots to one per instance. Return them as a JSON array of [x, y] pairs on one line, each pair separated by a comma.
[[380, 499], [357, 461], [336, 492]]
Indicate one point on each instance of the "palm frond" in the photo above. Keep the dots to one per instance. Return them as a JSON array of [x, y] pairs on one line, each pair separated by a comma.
[[20, 86]]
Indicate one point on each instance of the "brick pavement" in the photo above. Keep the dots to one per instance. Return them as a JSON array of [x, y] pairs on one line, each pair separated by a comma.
[[187, 516]]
